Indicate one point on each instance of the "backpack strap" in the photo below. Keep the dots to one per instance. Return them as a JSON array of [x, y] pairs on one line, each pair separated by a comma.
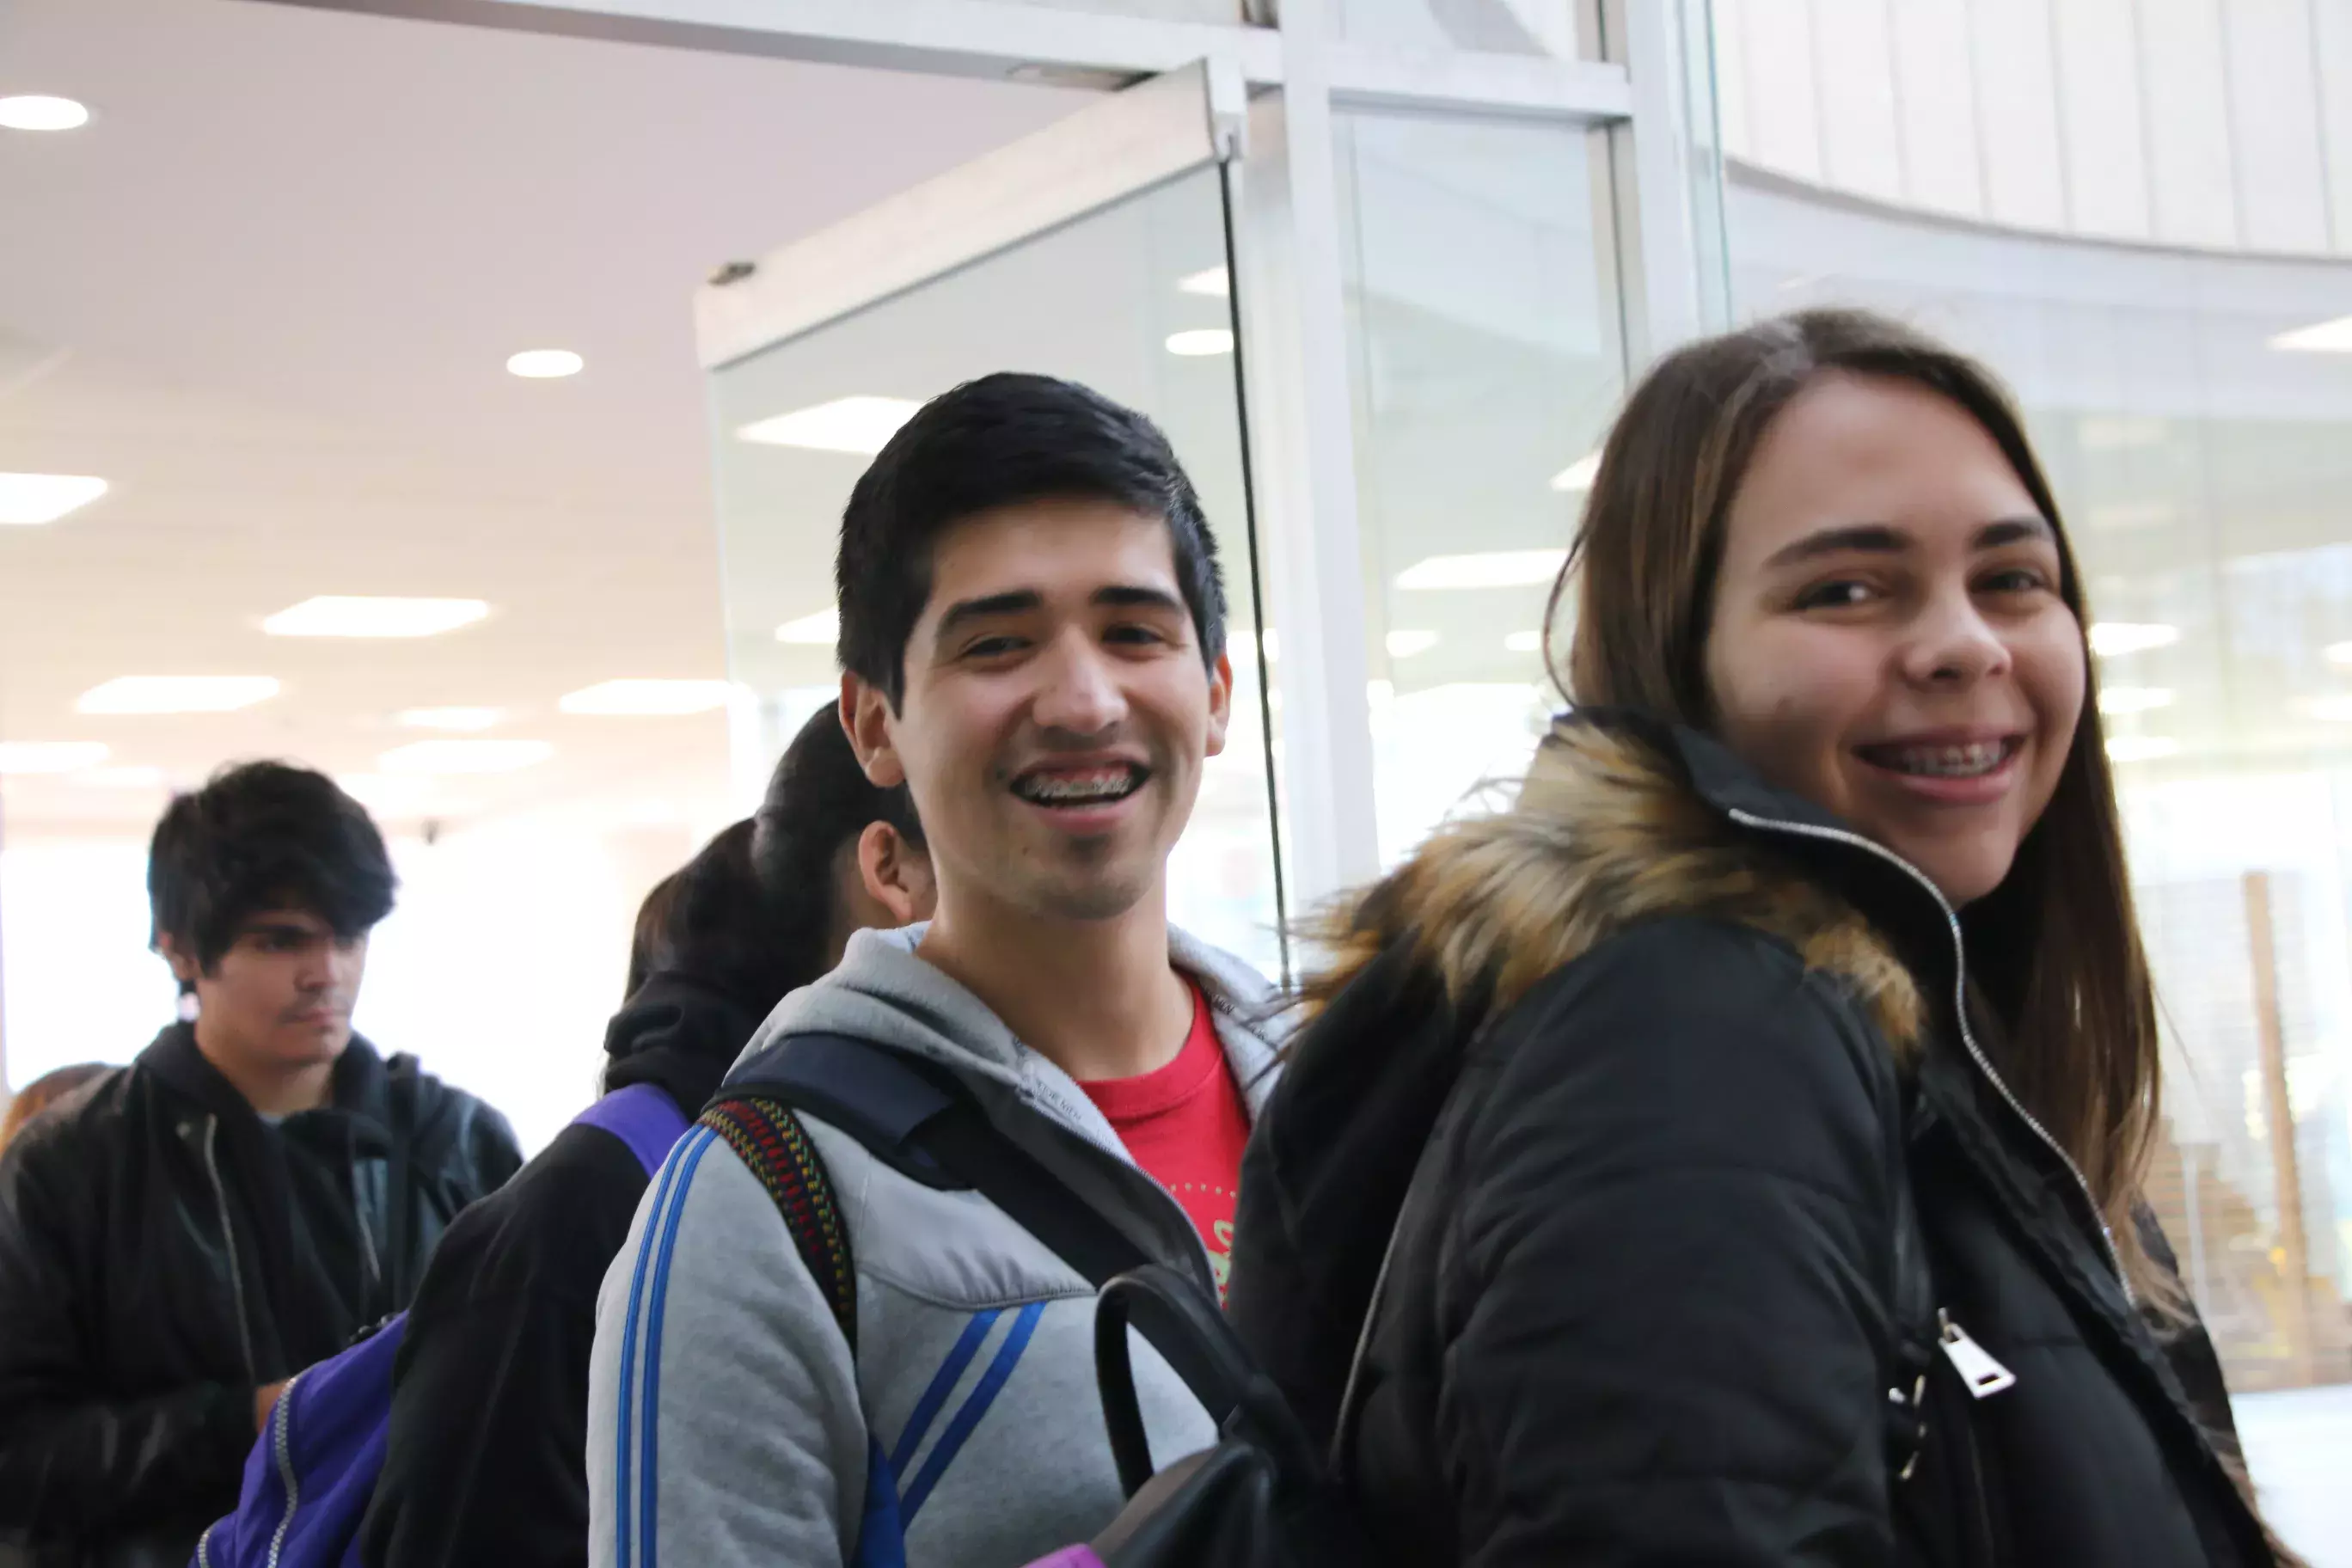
[[644, 1117], [768, 1139], [920, 1121]]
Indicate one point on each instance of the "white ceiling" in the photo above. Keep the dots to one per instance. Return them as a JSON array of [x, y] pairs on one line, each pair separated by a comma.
[[268, 294]]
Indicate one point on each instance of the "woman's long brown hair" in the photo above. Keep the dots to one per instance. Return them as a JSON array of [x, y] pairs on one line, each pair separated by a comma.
[[2056, 947]]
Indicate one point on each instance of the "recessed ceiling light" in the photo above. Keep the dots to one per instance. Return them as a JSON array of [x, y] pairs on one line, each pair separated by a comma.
[[177, 694], [340, 615], [2324, 338], [648, 699], [2334, 710], [130, 777], [463, 756], [2116, 700], [545, 364], [2109, 638], [28, 499], [1405, 644], [1577, 476], [37, 111], [49, 756], [2141, 748], [1201, 343], [1490, 569], [823, 628], [1524, 642], [1214, 283], [462, 719], [859, 424]]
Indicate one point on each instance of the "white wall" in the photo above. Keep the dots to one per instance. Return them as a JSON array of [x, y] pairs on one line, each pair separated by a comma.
[[2182, 122]]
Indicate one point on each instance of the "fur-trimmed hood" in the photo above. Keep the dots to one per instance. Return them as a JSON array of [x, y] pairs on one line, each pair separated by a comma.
[[1620, 821], [1610, 828]]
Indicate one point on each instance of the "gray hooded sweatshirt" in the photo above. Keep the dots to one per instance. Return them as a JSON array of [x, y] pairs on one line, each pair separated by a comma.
[[744, 1433]]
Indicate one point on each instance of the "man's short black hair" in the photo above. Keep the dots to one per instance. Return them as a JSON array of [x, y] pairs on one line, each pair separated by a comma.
[[818, 799], [262, 836], [999, 441]]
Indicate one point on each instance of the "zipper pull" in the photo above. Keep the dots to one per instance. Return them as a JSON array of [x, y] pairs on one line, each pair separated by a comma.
[[1977, 1369]]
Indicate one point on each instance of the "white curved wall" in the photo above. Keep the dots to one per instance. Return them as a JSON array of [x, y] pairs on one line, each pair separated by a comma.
[[2187, 123]]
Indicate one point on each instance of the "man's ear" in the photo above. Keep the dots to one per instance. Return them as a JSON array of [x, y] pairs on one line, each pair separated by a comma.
[[1220, 703], [865, 718], [897, 875]]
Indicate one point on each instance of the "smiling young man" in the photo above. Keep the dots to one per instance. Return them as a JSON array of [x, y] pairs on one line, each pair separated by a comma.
[[179, 1237], [1032, 626]]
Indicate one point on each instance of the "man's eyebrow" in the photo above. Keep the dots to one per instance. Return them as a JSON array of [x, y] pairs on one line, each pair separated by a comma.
[[1139, 597], [1018, 601]]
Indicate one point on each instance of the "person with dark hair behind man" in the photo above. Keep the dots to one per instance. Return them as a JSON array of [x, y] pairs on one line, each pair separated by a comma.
[[255, 1188], [489, 1414], [45, 1091]]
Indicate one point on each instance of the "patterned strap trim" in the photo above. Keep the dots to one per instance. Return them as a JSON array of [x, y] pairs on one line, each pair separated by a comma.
[[767, 1137]]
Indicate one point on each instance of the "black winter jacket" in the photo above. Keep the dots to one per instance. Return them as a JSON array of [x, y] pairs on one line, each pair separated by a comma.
[[1693, 1043], [164, 1252], [487, 1461]]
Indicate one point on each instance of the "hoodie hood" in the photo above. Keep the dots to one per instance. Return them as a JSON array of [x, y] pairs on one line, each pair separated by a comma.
[[1619, 820], [678, 1033], [882, 990]]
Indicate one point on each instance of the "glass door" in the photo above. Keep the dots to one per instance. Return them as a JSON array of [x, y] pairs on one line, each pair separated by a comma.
[[1095, 250]]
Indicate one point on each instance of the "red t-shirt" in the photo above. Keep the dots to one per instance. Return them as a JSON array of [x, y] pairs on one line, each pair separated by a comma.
[[1186, 1123]]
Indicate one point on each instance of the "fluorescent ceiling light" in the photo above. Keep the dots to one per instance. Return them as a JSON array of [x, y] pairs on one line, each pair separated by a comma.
[[2141, 748], [337, 615], [2334, 710], [2109, 638], [2324, 338], [545, 364], [463, 756], [1524, 642], [28, 499], [177, 694], [37, 111], [461, 719], [132, 777], [1379, 693], [821, 629], [1577, 476], [1490, 569], [2340, 652], [49, 756], [1201, 343], [2134, 698], [647, 699], [1405, 644], [1214, 283], [860, 425]]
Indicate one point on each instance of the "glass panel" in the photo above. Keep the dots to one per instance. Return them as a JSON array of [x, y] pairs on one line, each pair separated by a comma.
[[1485, 359], [2201, 462], [1132, 300], [1565, 29]]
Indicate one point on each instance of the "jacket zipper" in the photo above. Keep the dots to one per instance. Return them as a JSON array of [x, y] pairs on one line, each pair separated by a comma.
[[281, 1425], [1960, 1008], [228, 1238]]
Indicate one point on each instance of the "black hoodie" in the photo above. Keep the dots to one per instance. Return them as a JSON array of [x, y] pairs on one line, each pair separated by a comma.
[[489, 1416], [165, 1251]]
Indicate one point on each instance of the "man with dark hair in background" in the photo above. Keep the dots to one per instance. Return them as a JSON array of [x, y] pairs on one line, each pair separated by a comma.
[[250, 1192]]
